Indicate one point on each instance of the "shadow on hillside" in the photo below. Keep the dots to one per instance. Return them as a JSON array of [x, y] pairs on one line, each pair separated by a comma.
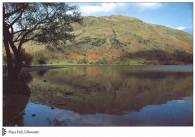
[[161, 57]]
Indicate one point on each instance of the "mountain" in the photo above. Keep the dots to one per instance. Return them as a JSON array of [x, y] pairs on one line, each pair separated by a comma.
[[120, 40]]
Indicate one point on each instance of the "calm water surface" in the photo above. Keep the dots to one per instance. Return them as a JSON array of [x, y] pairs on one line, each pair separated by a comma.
[[109, 96]]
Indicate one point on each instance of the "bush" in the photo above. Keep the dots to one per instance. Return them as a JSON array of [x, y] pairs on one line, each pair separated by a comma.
[[41, 60], [85, 61]]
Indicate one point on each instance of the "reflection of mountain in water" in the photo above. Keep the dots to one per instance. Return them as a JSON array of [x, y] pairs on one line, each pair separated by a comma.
[[108, 90]]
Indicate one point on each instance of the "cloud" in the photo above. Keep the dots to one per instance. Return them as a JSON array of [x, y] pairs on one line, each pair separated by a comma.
[[103, 8], [141, 7], [99, 9], [186, 29], [150, 5], [181, 28]]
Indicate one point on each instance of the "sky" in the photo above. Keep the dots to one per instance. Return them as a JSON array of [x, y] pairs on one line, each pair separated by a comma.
[[177, 15]]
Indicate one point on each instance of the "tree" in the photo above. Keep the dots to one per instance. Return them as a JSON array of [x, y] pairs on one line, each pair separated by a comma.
[[41, 60], [48, 23], [26, 58]]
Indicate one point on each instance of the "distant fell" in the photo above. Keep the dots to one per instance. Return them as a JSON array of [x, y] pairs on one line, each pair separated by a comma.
[[120, 40]]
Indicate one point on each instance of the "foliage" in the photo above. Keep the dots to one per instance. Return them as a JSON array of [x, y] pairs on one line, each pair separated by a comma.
[[97, 42], [41, 60], [48, 23], [43, 22], [26, 58], [85, 61]]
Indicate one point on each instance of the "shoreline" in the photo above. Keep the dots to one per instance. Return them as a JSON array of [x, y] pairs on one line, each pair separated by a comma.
[[33, 68], [49, 67]]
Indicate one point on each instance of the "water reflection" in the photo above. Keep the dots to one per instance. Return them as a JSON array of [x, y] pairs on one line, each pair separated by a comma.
[[13, 109], [56, 122], [105, 96], [173, 113], [108, 89], [25, 77], [41, 73], [15, 98]]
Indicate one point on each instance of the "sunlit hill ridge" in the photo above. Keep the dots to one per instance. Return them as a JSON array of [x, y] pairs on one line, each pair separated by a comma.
[[119, 40]]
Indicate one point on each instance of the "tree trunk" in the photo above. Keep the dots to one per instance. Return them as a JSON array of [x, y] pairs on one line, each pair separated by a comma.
[[7, 49], [9, 60], [18, 60], [17, 68], [13, 71]]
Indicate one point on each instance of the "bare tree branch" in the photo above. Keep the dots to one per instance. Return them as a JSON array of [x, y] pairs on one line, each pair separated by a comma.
[[16, 19], [7, 15]]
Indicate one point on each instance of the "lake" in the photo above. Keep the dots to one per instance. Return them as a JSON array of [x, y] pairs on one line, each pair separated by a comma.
[[108, 96]]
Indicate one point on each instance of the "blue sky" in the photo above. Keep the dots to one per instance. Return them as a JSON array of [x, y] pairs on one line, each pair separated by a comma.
[[176, 15]]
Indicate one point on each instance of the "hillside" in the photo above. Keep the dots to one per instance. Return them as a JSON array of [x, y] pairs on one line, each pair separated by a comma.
[[119, 40]]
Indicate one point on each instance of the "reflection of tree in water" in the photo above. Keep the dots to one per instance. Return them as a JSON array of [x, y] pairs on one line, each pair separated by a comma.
[[113, 87], [41, 73], [56, 122], [13, 109], [15, 98], [26, 77]]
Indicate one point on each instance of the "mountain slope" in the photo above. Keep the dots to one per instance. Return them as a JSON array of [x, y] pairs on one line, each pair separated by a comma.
[[121, 40]]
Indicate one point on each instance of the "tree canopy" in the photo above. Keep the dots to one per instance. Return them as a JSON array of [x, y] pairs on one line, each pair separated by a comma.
[[48, 23]]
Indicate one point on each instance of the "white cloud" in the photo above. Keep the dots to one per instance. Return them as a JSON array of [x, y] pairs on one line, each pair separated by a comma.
[[103, 8], [181, 28], [150, 5], [113, 8], [140, 7], [186, 29], [69, 12]]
